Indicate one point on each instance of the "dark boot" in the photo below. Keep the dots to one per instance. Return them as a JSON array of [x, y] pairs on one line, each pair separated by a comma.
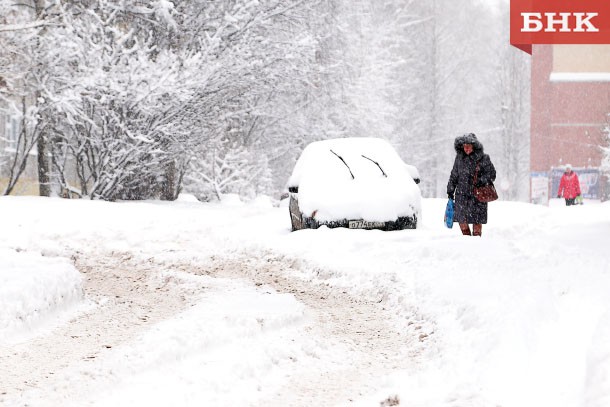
[[477, 229], [465, 229]]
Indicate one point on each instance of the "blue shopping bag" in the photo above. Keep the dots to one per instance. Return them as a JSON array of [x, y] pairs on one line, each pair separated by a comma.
[[449, 214]]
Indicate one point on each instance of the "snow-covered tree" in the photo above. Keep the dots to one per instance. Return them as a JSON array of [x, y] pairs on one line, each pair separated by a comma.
[[507, 135], [451, 88], [272, 98], [512, 163], [411, 73], [27, 50], [124, 99]]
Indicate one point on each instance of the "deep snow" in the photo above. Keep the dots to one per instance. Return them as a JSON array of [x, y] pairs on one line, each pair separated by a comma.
[[519, 317]]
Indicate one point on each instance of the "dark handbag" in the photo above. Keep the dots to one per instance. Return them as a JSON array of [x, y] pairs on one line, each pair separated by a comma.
[[485, 193]]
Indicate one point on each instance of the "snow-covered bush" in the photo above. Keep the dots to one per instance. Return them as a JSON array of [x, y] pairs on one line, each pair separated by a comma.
[[225, 168], [126, 92]]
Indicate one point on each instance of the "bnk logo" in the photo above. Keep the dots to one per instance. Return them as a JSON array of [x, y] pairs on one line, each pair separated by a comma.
[[563, 22], [559, 22]]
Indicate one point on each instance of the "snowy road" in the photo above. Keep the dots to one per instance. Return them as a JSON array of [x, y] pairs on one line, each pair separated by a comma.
[[128, 296], [221, 305]]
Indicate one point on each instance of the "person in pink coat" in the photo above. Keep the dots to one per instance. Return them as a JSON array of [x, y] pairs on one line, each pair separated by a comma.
[[569, 186]]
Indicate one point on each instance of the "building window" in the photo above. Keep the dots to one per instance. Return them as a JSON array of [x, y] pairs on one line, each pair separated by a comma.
[[11, 132]]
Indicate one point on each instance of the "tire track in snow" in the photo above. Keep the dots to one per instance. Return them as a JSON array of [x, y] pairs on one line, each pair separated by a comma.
[[129, 299], [377, 347]]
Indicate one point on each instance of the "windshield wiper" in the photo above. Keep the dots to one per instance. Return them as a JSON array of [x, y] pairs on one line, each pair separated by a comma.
[[376, 163], [341, 158]]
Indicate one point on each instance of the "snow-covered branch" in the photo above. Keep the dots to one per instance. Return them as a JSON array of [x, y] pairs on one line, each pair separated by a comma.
[[27, 26]]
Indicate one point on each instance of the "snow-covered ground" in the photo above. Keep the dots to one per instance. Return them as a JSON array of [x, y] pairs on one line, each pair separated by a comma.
[[191, 304]]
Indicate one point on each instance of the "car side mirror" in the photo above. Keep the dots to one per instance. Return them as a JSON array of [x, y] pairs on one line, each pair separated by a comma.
[[416, 180]]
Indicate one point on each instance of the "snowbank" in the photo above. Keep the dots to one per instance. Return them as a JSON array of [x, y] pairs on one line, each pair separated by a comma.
[[34, 290]]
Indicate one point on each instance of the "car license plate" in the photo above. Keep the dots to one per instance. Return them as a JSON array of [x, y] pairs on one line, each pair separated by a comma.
[[363, 224]]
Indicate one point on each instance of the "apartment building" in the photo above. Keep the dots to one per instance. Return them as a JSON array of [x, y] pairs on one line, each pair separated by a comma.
[[570, 107]]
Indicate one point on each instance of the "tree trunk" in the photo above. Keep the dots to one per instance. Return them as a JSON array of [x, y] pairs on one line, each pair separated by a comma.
[[44, 186], [43, 162], [168, 186]]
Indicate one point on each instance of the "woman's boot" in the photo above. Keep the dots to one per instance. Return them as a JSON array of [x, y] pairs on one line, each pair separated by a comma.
[[465, 229], [477, 229]]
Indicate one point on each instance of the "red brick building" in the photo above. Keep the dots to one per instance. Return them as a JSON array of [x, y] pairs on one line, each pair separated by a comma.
[[570, 107]]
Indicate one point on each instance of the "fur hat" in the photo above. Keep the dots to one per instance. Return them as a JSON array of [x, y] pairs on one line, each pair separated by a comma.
[[469, 138]]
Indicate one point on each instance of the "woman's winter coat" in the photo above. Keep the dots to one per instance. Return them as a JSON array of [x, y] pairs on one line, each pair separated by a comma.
[[569, 186], [461, 181]]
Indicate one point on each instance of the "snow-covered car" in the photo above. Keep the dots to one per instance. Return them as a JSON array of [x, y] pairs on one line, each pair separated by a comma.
[[357, 183]]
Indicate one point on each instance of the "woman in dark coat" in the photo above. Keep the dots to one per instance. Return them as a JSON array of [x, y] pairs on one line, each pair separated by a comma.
[[469, 152]]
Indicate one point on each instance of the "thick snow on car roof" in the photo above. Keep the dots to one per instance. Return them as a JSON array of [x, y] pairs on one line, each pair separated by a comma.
[[344, 179]]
